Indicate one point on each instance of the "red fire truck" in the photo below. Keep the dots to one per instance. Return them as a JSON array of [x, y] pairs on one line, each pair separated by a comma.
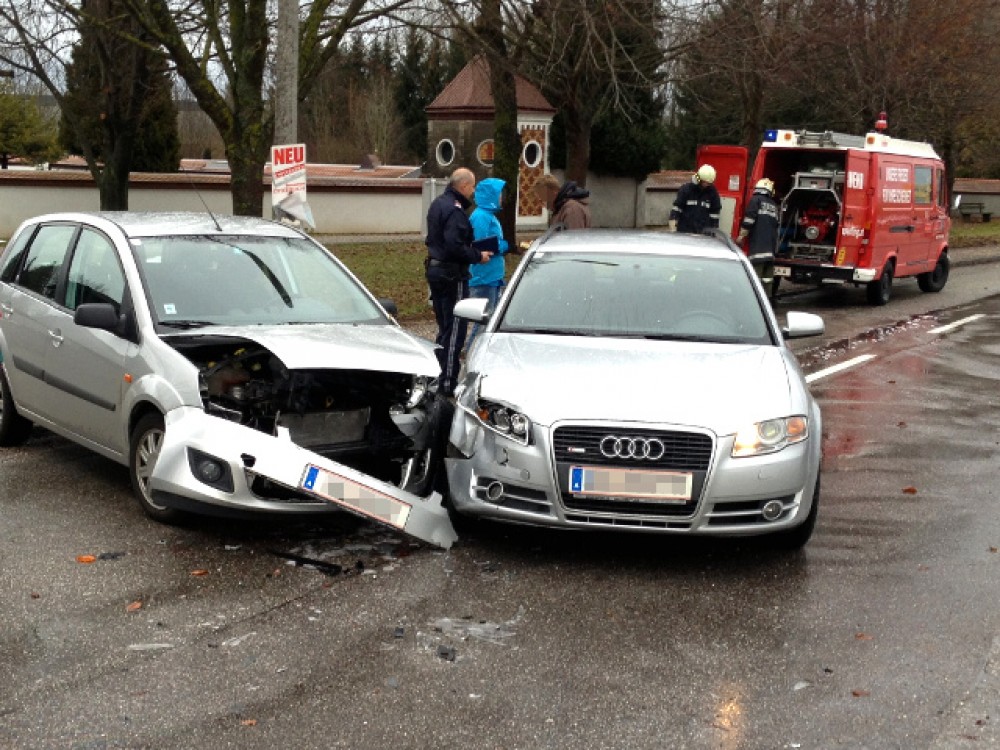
[[861, 210]]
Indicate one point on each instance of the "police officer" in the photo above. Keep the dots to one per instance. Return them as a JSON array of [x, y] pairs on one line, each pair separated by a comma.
[[449, 253], [760, 228], [698, 205]]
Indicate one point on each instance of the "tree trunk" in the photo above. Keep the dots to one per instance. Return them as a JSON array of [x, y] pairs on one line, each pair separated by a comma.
[[578, 128], [247, 150]]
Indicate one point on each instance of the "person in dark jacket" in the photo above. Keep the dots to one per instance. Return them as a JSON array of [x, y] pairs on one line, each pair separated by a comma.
[[698, 205], [568, 205], [760, 229], [449, 254]]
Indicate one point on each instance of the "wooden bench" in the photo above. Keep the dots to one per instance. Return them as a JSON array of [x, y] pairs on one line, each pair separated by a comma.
[[974, 210]]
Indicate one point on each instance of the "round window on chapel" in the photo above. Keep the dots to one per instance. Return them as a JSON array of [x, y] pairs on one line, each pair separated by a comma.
[[531, 154], [445, 152]]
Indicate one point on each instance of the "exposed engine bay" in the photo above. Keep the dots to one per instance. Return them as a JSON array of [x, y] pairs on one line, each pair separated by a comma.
[[375, 422]]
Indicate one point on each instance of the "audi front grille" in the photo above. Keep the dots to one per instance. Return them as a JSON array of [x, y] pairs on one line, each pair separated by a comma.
[[629, 448]]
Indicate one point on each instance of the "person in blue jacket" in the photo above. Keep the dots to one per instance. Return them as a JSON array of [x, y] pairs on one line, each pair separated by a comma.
[[487, 278]]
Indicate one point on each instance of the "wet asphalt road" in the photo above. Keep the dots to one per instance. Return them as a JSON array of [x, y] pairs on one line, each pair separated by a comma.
[[883, 633]]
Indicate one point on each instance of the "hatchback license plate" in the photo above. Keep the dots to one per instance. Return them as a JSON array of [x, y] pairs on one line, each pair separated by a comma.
[[671, 486]]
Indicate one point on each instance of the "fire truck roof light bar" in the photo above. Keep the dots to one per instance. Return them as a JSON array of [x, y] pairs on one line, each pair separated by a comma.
[[829, 139]]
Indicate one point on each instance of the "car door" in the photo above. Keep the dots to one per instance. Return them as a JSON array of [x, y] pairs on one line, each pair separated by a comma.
[[28, 315], [86, 367]]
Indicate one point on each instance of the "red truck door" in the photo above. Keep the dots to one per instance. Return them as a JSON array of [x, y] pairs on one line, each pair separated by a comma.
[[730, 163]]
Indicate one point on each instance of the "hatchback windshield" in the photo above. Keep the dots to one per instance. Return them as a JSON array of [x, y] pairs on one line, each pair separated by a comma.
[[636, 295], [240, 280]]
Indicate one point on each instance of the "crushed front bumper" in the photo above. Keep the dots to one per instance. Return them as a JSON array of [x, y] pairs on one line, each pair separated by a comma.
[[312, 483]]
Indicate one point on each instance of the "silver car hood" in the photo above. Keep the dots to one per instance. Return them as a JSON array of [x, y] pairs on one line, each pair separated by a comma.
[[385, 348], [550, 378]]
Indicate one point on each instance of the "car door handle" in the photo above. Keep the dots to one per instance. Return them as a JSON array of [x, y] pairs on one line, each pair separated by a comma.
[[6, 309], [56, 337]]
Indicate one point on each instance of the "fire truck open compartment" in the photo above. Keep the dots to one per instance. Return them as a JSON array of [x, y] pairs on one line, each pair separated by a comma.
[[810, 188]]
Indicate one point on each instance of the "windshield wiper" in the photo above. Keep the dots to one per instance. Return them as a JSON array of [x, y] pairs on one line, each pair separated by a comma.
[[187, 323], [552, 331]]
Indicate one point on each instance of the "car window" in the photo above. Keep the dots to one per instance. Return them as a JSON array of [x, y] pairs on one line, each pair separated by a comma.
[[241, 280], [636, 295], [94, 272], [13, 255], [46, 255]]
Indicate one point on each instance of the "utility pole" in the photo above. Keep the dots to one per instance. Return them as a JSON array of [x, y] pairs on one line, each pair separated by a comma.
[[286, 126]]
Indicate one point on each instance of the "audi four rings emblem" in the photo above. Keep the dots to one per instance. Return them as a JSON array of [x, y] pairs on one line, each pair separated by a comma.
[[637, 448]]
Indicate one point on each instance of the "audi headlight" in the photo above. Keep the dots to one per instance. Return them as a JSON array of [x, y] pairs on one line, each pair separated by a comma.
[[770, 436], [504, 419]]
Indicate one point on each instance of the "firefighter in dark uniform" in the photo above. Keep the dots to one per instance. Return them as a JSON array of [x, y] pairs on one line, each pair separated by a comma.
[[760, 228], [449, 253], [698, 205]]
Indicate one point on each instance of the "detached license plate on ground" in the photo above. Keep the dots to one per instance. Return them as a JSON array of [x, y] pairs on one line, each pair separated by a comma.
[[782, 271], [668, 486]]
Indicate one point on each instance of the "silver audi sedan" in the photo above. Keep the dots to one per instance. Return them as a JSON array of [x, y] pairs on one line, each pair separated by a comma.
[[233, 364], [638, 381]]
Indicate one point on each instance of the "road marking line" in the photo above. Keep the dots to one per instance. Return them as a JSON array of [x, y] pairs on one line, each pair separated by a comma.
[[837, 368], [957, 323]]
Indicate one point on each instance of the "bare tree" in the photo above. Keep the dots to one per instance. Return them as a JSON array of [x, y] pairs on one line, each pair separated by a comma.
[[38, 41], [222, 51]]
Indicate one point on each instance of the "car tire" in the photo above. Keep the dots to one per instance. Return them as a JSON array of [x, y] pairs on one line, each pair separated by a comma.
[[880, 290], [14, 429], [795, 538], [934, 281], [430, 472], [144, 450]]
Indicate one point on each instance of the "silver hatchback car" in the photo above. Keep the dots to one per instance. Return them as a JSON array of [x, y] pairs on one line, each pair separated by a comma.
[[233, 364], [640, 381]]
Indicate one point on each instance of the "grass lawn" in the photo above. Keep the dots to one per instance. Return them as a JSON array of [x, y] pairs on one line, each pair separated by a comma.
[[396, 270], [974, 234]]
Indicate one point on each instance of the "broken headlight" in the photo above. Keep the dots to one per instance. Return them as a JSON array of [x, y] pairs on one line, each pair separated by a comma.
[[418, 391], [500, 418]]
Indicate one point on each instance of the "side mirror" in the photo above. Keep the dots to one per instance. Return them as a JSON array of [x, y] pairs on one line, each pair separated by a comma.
[[472, 309], [97, 315], [389, 306], [800, 325]]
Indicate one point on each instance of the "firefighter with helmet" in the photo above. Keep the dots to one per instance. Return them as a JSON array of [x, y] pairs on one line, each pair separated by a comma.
[[698, 205], [760, 228]]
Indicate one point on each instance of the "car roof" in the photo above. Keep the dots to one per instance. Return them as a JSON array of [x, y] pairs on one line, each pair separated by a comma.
[[637, 241], [160, 224]]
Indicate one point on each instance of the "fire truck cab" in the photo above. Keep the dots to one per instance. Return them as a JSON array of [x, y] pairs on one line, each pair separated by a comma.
[[861, 210]]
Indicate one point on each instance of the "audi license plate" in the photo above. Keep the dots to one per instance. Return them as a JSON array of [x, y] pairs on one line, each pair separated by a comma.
[[783, 271], [670, 486]]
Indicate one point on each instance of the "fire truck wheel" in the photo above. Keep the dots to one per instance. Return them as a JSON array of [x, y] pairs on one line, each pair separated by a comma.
[[934, 281], [880, 290]]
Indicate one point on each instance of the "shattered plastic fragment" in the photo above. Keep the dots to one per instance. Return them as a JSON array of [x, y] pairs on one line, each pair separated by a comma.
[[86, 559]]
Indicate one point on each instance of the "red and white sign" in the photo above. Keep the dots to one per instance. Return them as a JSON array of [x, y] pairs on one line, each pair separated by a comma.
[[288, 171]]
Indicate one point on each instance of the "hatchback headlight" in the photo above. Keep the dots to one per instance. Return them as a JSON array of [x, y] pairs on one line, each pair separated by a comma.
[[770, 436], [418, 391]]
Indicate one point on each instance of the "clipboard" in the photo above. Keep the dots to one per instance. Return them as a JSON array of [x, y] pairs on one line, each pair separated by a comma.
[[487, 244]]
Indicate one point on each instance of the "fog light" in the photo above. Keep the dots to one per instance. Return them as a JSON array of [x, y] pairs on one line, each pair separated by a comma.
[[494, 492], [772, 510], [210, 470]]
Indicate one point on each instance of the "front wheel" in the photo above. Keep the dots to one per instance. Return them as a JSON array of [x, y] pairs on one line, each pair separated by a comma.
[[144, 450], [934, 281], [880, 290], [14, 429]]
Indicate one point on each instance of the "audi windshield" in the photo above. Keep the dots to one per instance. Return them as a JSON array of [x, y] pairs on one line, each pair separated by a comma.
[[636, 295]]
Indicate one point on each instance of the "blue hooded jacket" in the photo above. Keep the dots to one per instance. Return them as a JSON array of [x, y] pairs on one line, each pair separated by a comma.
[[485, 224]]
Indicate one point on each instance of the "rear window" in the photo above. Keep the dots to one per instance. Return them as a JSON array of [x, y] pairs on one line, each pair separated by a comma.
[[44, 262]]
